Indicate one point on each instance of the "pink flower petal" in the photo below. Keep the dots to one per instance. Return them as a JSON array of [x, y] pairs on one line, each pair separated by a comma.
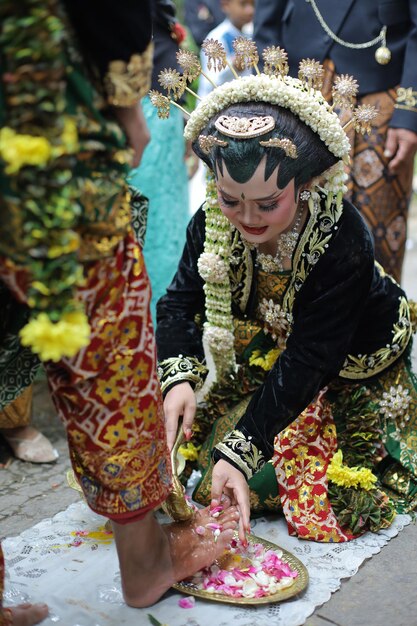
[[187, 603]]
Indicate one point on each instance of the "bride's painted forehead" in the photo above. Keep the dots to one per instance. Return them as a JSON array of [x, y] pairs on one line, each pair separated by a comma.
[[255, 187]]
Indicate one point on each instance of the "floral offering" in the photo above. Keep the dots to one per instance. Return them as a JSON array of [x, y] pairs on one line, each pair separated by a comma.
[[255, 571]]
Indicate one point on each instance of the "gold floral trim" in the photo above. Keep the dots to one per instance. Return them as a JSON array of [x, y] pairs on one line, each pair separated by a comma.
[[127, 83], [241, 271], [181, 369], [367, 365], [406, 99], [321, 227], [242, 452]]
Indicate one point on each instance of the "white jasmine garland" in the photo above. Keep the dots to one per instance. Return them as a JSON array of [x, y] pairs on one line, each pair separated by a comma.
[[213, 267], [219, 339]]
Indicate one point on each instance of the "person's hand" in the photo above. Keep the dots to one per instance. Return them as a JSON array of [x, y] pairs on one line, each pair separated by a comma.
[[180, 400], [134, 125], [230, 481], [400, 147]]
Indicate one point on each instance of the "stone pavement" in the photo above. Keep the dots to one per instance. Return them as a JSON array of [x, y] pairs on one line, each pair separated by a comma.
[[382, 593]]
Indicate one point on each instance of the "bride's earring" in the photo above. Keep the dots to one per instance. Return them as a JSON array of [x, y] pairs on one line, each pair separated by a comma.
[[305, 195]]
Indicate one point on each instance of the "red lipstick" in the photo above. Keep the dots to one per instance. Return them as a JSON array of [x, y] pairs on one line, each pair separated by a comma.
[[254, 231]]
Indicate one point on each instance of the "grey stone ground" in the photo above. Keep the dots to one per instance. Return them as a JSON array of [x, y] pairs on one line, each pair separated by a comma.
[[382, 593]]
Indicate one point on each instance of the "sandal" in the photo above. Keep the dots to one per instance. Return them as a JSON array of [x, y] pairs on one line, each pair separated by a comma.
[[37, 450]]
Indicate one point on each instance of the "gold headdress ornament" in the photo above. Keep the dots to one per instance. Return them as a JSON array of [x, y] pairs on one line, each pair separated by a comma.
[[207, 143], [285, 144], [273, 86], [244, 127], [300, 95]]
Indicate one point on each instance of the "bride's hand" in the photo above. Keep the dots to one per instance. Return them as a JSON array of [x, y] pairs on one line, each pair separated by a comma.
[[230, 481], [180, 400]]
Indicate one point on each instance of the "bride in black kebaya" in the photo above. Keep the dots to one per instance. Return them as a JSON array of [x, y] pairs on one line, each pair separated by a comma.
[[314, 406]]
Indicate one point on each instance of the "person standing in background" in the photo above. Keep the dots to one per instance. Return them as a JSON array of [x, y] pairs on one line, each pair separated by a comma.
[[162, 175], [201, 16], [376, 41], [239, 14]]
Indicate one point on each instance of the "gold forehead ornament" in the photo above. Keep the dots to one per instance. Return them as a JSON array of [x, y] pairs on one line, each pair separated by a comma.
[[285, 144], [207, 143], [244, 127]]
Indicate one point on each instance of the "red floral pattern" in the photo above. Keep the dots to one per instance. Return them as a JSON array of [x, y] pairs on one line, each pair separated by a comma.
[[108, 395], [303, 452]]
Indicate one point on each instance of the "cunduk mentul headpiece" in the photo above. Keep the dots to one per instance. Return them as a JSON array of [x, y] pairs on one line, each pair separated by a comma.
[[302, 97]]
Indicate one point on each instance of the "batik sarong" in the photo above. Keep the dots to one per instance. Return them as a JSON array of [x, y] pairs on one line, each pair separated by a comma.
[[382, 199]]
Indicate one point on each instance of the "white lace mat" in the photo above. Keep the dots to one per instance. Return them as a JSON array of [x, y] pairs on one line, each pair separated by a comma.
[[81, 583]]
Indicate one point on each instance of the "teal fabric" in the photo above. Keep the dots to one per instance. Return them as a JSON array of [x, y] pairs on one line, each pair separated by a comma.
[[162, 177]]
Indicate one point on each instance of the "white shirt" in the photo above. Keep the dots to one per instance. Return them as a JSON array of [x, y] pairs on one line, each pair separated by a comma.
[[225, 33]]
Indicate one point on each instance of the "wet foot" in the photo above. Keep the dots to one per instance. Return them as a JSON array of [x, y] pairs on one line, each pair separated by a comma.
[[169, 553], [199, 543], [25, 614]]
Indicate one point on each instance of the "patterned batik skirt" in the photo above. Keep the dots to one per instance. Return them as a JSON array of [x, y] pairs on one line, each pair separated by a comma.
[[344, 466]]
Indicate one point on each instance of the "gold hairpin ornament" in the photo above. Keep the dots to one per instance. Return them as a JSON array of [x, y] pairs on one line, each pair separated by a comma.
[[162, 104], [285, 144], [362, 117], [311, 73], [216, 56], [244, 127], [275, 61], [172, 81], [246, 54], [207, 143], [191, 66], [344, 92]]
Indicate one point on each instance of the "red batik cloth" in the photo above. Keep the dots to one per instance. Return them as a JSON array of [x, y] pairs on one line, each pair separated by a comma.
[[303, 452], [108, 395]]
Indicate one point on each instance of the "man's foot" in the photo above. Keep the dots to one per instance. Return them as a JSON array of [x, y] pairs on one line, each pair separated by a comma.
[[166, 554], [25, 614], [199, 543], [28, 444]]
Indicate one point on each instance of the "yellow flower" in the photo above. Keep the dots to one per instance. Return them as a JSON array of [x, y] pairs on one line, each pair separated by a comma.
[[52, 341], [71, 246], [345, 476], [19, 150], [69, 135], [265, 361], [189, 451]]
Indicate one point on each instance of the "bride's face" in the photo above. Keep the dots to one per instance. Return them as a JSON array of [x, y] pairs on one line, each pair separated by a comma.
[[258, 208]]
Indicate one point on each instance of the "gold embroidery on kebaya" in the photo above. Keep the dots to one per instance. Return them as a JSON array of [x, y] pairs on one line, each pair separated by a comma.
[[367, 365], [406, 99], [181, 369], [320, 229], [127, 82], [243, 452]]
